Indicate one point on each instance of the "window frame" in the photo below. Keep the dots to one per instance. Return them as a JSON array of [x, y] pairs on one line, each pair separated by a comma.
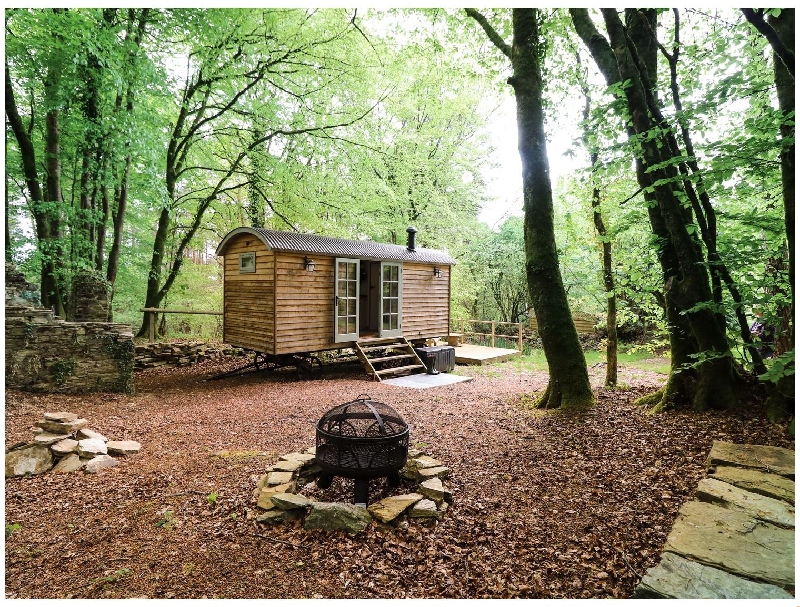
[[244, 268]]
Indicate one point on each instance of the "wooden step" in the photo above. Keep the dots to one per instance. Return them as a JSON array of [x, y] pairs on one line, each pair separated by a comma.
[[395, 345], [385, 358], [380, 340], [399, 370]]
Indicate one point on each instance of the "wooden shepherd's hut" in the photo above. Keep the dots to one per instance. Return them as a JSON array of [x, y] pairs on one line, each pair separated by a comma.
[[292, 293]]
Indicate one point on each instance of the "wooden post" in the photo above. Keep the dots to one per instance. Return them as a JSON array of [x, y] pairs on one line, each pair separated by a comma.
[[493, 334], [152, 327], [519, 341]]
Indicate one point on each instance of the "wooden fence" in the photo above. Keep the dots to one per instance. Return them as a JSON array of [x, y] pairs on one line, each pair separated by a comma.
[[493, 334], [584, 323]]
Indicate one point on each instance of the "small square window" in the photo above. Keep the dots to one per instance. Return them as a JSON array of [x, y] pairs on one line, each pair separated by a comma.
[[247, 263]]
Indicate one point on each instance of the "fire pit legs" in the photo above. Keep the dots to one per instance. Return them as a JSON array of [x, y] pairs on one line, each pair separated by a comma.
[[324, 481], [394, 479], [361, 492]]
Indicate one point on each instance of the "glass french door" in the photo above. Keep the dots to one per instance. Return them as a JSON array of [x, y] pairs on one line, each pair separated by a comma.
[[391, 299], [345, 307]]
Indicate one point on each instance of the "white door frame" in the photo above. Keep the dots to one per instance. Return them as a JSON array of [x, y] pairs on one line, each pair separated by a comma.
[[345, 300], [390, 318]]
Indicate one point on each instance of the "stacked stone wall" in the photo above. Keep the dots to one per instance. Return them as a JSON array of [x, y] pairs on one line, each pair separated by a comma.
[[46, 354], [49, 355], [180, 353], [90, 297]]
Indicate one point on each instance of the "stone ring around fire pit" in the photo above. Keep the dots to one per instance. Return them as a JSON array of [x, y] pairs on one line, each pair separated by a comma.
[[278, 493], [361, 439]]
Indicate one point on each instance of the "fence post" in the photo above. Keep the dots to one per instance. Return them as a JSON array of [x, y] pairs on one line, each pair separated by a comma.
[[493, 334], [519, 328], [152, 327]]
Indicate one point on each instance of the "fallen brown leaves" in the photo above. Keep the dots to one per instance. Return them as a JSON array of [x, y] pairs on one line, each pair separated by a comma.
[[545, 505]]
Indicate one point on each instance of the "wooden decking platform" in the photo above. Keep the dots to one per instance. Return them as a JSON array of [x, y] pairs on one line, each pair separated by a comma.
[[467, 354]]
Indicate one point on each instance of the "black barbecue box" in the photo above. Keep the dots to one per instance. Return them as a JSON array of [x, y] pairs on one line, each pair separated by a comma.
[[437, 359]]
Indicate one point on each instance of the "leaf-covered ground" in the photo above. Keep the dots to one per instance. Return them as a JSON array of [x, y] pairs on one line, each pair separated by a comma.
[[545, 505]]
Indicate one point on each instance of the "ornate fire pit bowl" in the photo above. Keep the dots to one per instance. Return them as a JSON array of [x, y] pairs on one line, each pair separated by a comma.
[[361, 439]]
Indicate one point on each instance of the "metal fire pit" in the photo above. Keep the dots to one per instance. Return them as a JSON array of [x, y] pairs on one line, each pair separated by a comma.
[[361, 439]]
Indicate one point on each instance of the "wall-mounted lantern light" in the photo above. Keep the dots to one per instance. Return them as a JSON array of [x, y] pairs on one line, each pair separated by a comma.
[[309, 263], [437, 272]]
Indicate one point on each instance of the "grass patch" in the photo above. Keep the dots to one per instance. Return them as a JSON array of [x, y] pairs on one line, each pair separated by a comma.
[[535, 361]]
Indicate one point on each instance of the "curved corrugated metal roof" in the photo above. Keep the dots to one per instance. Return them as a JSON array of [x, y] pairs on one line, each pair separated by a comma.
[[297, 242]]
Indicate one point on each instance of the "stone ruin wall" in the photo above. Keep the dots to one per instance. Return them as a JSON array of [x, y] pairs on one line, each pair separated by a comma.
[[47, 354]]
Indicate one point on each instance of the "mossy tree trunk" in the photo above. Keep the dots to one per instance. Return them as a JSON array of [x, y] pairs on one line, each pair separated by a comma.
[[569, 386], [779, 31], [696, 335]]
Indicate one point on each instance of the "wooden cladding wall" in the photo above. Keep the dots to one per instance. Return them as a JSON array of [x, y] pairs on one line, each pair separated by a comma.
[[304, 304], [426, 301], [282, 308], [249, 314]]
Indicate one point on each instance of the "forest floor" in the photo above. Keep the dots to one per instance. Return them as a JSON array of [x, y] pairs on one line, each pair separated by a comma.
[[545, 505]]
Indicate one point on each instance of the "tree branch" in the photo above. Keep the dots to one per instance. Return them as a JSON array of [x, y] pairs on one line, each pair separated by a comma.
[[756, 18], [496, 39]]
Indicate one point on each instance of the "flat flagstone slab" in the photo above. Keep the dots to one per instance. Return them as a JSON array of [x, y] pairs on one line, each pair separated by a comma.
[[756, 481], [760, 507], [289, 465], [389, 508], [677, 578], [423, 380], [123, 447], [775, 460], [735, 542]]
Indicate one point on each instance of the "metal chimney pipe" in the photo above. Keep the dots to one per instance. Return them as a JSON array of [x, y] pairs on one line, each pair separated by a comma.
[[412, 232]]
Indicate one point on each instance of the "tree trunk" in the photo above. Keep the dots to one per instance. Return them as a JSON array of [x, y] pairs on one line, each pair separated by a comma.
[[50, 291], [779, 30], [568, 387], [784, 83], [121, 191], [690, 288], [608, 268], [708, 381], [569, 380]]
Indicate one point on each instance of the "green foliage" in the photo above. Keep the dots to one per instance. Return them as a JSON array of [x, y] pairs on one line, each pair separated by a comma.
[[11, 528], [779, 368], [118, 575], [61, 369], [167, 521], [211, 498]]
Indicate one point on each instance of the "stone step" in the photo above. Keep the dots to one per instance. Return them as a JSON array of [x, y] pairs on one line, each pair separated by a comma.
[[678, 578], [763, 483], [774, 460], [735, 542], [766, 509]]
